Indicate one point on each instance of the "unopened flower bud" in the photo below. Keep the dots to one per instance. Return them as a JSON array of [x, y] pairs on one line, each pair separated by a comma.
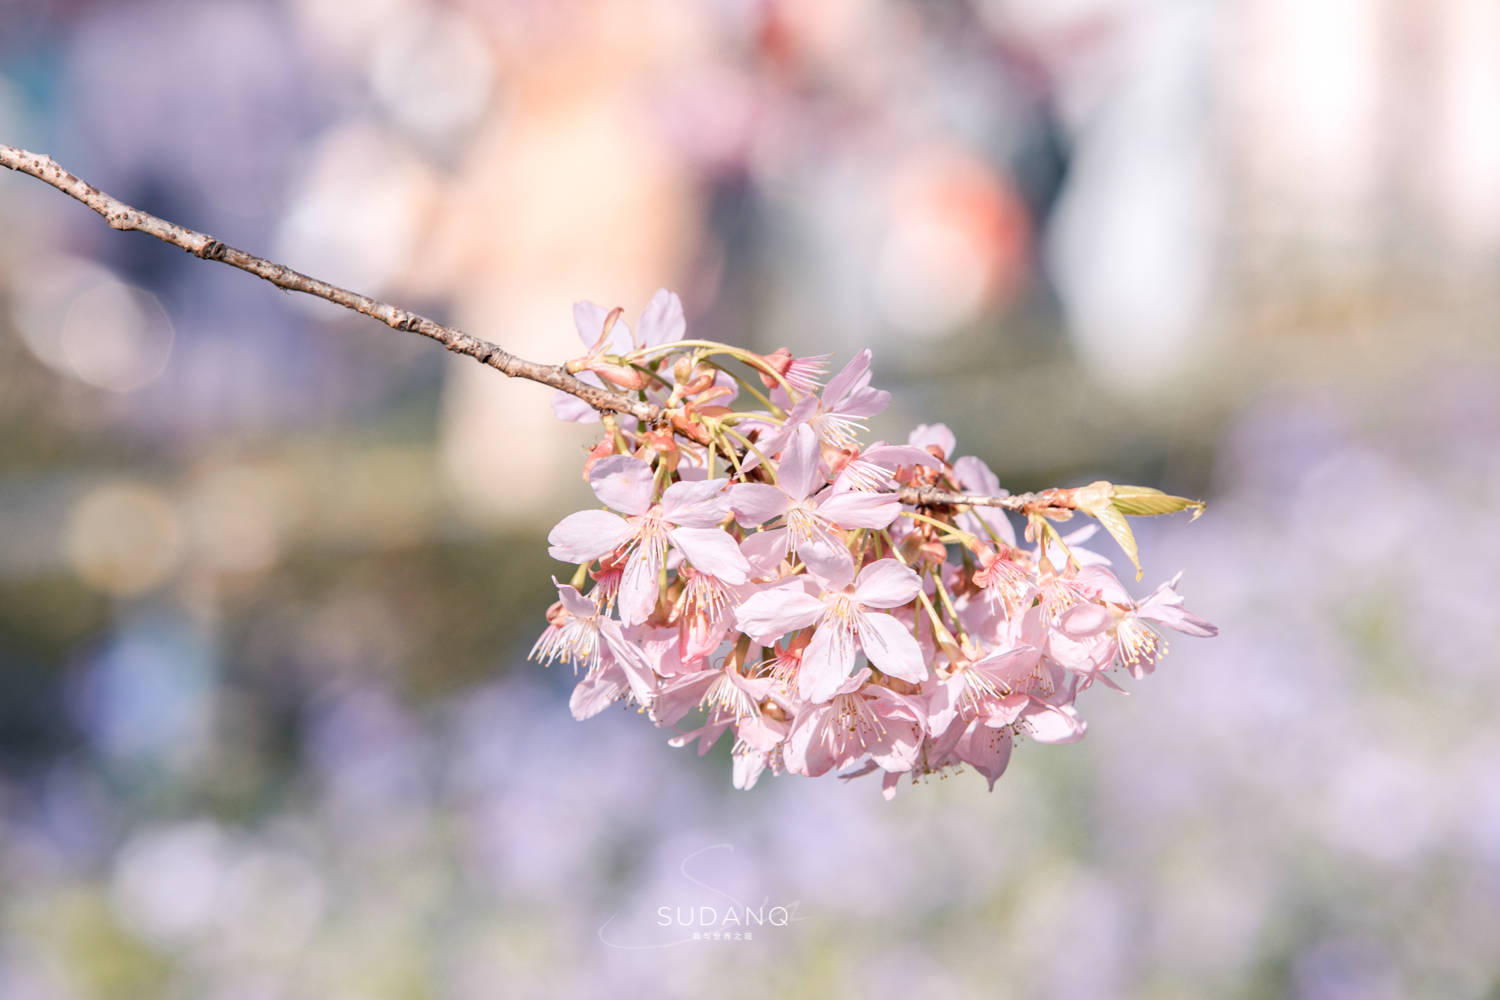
[[621, 375]]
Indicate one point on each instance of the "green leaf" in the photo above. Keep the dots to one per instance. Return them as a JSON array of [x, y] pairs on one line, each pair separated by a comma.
[[1143, 501], [1115, 523]]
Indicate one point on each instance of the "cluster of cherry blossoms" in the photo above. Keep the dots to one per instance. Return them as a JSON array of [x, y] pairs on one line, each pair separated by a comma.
[[834, 606]]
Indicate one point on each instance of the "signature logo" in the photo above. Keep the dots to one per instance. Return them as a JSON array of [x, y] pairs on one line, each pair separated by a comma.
[[725, 918]]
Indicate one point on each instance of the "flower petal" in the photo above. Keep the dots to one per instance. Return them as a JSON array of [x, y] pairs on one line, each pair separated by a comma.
[[623, 483], [857, 509], [756, 503], [806, 752], [701, 504], [639, 586], [924, 436], [1083, 620], [797, 472], [662, 320], [764, 550], [566, 406], [712, 551], [775, 611], [573, 602], [587, 535], [855, 373], [1052, 724], [890, 646], [885, 583], [893, 456], [597, 691], [828, 560], [826, 662], [589, 317], [631, 660], [864, 402], [988, 750]]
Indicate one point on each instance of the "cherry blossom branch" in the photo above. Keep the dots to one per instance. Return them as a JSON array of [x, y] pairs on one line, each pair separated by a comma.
[[125, 217]]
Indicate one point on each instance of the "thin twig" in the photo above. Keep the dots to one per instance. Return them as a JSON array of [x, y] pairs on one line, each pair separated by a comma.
[[122, 216], [1025, 503]]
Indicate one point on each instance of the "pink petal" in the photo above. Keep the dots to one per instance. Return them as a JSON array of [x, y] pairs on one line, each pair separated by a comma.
[[712, 551], [1165, 606], [806, 751], [597, 691], [988, 750], [886, 583], [623, 483], [700, 504], [772, 613], [756, 503], [923, 436], [1004, 711], [942, 702], [901, 747], [764, 550], [855, 373], [662, 321], [573, 602], [566, 406], [775, 436], [857, 509], [587, 535], [890, 646], [1100, 581], [1083, 620], [828, 561], [797, 472], [681, 695], [1051, 724], [1007, 668], [660, 649], [826, 662], [896, 455], [589, 318], [864, 402], [639, 586], [631, 660], [747, 767]]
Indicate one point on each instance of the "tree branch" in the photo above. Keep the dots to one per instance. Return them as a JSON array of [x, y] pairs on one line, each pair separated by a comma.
[[1024, 503], [122, 216]]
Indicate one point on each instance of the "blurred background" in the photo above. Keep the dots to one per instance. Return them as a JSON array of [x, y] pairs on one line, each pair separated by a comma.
[[269, 572]]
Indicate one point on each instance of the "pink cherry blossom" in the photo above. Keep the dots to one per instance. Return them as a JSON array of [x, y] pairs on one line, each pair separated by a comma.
[[810, 523], [765, 588], [687, 519], [844, 625], [1138, 640], [661, 322], [871, 470], [581, 634], [857, 720], [847, 401]]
